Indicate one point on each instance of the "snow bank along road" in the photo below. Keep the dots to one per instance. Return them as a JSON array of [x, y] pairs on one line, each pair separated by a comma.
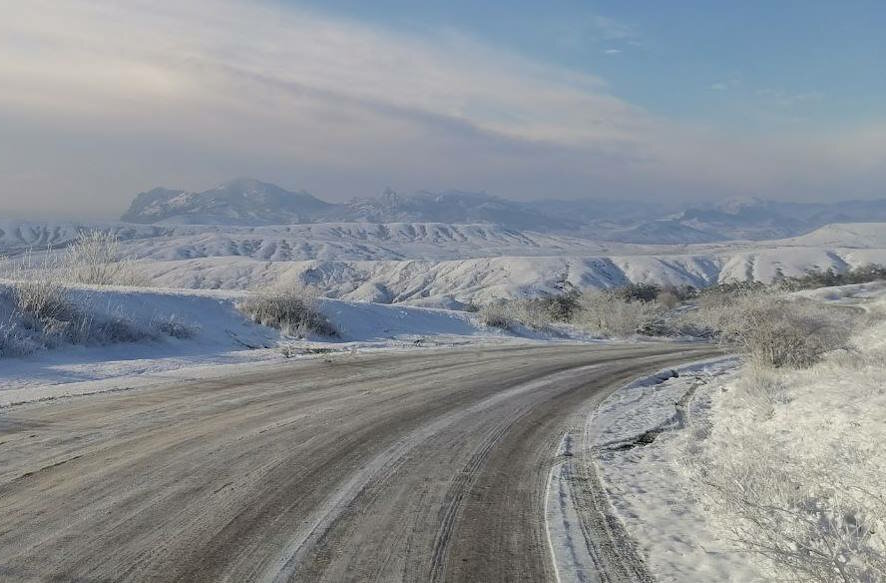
[[425, 466]]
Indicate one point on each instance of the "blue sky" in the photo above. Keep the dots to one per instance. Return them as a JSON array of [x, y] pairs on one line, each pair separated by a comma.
[[723, 62], [684, 100]]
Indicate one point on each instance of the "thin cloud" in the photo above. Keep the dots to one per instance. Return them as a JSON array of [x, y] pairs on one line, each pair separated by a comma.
[[726, 85], [784, 98], [103, 98]]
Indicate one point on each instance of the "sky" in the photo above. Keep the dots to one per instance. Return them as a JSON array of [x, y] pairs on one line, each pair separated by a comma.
[[685, 100]]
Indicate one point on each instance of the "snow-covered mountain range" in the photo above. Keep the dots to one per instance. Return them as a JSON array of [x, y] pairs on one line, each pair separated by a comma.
[[250, 202], [243, 201], [452, 248]]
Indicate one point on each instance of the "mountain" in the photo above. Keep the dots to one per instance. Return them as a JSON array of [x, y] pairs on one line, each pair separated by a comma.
[[250, 202], [242, 201], [453, 207], [751, 219], [247, 201]]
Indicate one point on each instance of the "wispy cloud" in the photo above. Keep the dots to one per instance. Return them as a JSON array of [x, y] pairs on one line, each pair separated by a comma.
[[611, 29], [99, 96], [612, 52], [726, 85], [789, 98]]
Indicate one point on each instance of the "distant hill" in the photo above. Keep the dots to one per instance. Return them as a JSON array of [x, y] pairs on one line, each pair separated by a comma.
[[246, 201], [748, 219], [250, 202], [243, 201]]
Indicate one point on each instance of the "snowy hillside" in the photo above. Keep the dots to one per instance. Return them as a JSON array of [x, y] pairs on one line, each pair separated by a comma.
[[447, 265], [482, 279], [340, 241], [358, 241], [17, 235], [441, 264]]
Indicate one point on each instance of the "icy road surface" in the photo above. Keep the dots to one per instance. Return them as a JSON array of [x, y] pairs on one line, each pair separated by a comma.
[[378, 467]]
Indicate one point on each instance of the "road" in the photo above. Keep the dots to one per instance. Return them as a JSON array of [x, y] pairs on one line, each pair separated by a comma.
[[420, 466]]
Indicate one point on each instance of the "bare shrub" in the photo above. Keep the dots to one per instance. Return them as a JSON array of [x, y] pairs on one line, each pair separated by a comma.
[[618, 312], [610, 314], [39, 289], [40, 311], [94, 258], [174, 327], [774, 329], [509, 314], [561, 307], [292, 310], [809, 524], [497, 315], [668, 299]]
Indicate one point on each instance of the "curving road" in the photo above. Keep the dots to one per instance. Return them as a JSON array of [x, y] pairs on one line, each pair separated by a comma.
[[422, 466]]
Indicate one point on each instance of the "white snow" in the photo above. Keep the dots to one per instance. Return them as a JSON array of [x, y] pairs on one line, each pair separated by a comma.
[[648, 493], [437, 264], [828, 422], [223, 338]]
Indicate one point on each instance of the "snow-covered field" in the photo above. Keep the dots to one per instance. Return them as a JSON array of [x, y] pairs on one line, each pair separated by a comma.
[[220, 337], [443, 265], [716, 470]]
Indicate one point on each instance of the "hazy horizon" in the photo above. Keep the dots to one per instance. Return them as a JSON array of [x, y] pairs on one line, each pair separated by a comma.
[[343, 99]]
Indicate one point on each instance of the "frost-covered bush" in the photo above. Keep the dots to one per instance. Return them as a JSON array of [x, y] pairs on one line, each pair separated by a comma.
[[94, 258], [792, 468], [611, 314], [806, 522], [37, 316], [291, 310], [39, 310], [175, 327], [497, 315], [772, 328], [507, 315], [607, 313]]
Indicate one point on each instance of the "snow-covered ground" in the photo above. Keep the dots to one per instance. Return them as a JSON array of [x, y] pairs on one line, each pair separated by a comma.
[[221, 337], [728, 452]]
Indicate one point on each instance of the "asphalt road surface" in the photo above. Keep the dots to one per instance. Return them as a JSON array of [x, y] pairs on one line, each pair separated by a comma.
[[421, 466]]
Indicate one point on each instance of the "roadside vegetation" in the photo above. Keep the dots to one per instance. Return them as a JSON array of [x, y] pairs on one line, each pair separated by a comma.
[[39, 308], [765, 322], [791, 463], [95, 258], [292, 310]]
